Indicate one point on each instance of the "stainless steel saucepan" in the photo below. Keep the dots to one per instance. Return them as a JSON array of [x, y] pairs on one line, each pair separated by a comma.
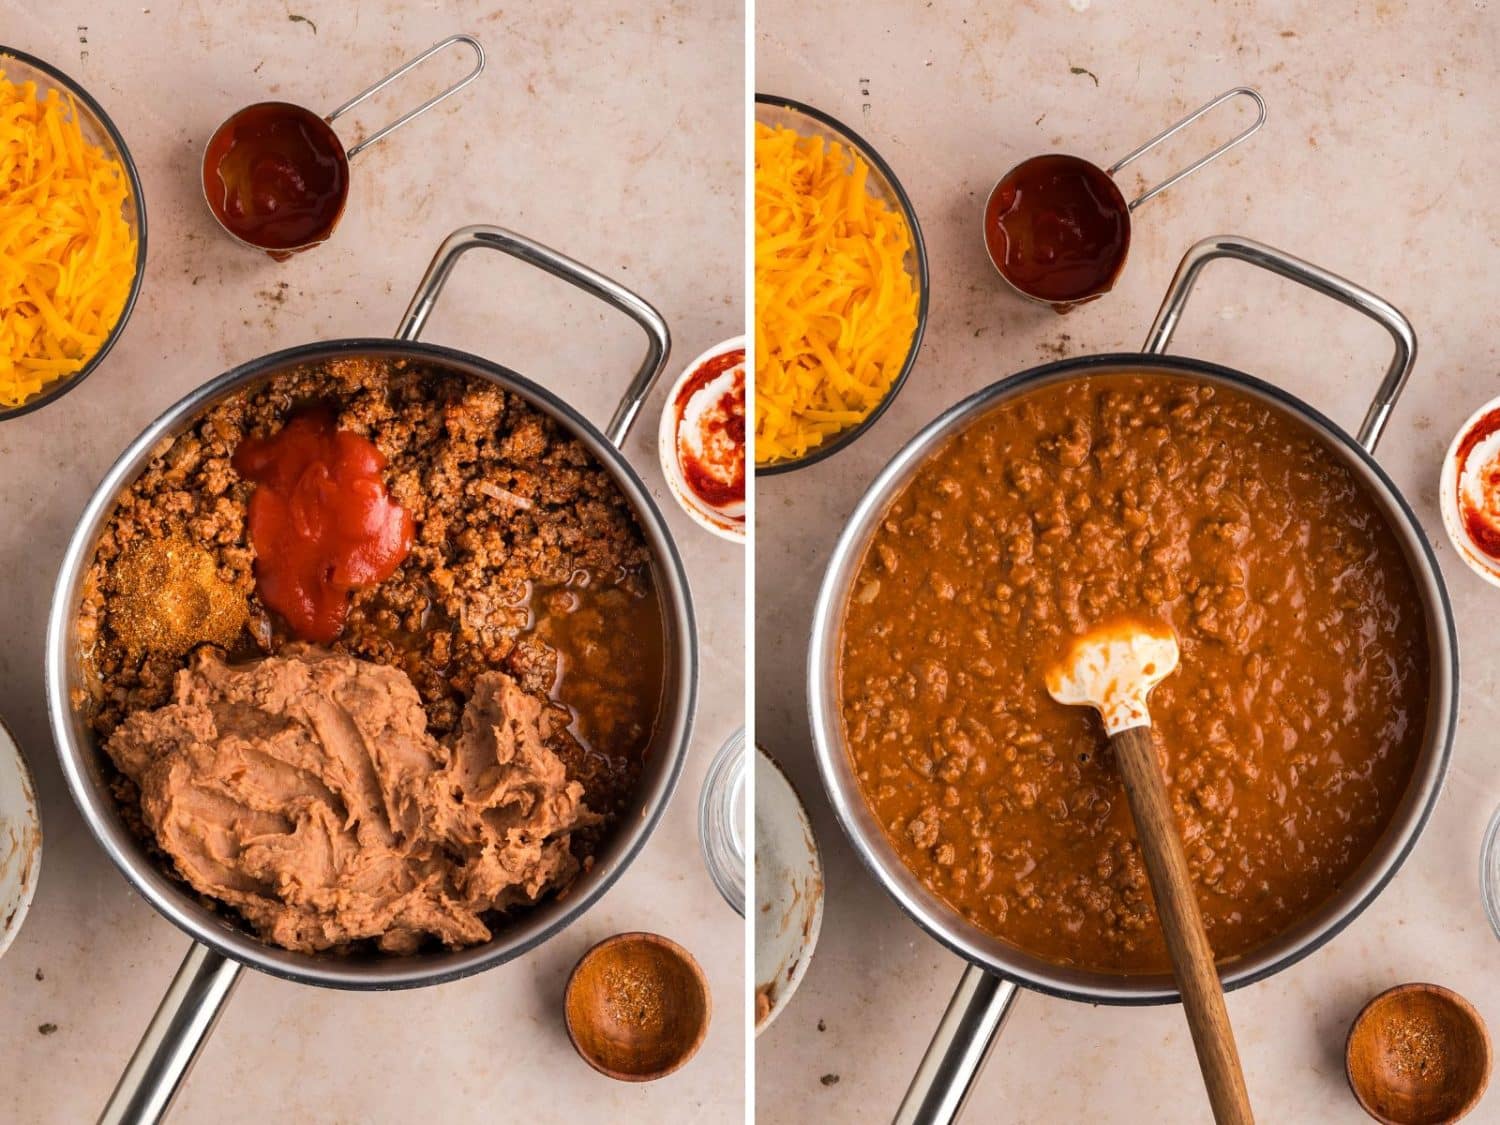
[[213, 964], [996, 970]]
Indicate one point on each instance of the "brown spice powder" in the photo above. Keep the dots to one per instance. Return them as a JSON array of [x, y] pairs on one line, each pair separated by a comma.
[[171, 598], [633, 998], [1416, 1050]]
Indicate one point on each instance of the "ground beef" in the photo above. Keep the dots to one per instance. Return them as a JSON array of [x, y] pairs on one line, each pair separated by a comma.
[[527, 559]]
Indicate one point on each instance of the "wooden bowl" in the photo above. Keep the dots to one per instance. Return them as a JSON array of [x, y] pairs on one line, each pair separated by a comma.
[[637, 1007], [1418, 1054]]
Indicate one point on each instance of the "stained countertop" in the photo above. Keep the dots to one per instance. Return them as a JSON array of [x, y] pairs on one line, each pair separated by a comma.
[[1376, 162], [590, 132]]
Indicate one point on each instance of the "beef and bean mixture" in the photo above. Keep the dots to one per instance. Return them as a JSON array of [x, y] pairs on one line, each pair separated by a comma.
[[1288, 733], [526, 558]]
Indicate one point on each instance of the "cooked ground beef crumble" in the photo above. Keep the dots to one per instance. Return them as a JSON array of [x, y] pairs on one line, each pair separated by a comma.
[[527, 559]]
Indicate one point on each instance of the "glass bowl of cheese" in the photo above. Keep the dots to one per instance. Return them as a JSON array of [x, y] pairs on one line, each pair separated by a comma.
[[841, 285], [73, 251]]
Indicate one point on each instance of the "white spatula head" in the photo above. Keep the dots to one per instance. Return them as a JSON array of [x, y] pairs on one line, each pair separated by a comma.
[[1113, 669]]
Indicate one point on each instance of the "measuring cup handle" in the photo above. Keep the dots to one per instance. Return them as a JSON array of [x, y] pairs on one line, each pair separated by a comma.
[[386, 130], [170, 1046], [959, 1047], [658, 339], [1172, 130], [1375, 307]]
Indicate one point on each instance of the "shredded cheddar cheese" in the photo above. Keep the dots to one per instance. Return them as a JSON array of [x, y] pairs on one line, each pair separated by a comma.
[[67, 256], [835, 308]]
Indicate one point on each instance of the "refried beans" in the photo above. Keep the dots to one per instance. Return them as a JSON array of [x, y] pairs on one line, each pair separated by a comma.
[[527, 560], [1288, 733], [305, 791]]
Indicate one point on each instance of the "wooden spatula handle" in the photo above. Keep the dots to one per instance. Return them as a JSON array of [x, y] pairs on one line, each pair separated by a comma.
[[1182, 924]]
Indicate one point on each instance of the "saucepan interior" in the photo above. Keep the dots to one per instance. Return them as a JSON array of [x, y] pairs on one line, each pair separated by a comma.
[[88, 770], [950, 927]]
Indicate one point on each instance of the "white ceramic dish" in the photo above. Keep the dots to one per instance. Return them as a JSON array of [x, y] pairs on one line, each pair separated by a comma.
[[20, 838], [788, 891], [719, 523], [1480, 563]]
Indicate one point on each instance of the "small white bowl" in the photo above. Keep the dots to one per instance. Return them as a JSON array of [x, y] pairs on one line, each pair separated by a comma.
[[666, 448], [20, 838], [788, 891], [1480, 563]]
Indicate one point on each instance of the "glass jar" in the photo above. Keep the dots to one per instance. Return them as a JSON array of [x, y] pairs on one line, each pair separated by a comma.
[[721, 820]]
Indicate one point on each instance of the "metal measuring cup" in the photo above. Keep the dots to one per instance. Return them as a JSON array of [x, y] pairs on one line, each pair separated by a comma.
[[1114, 199], [318, 131]]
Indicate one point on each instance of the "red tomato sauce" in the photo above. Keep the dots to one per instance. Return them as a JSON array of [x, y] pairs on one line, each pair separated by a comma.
[[1482, 522], [320, 521], [717, 474]]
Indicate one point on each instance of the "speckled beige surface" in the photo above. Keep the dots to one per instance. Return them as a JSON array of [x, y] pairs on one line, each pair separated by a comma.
[[612, 131], [1378, 161]]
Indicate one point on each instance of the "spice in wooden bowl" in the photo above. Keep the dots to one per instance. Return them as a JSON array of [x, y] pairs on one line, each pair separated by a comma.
[[1418, 1054], [637, 1007]]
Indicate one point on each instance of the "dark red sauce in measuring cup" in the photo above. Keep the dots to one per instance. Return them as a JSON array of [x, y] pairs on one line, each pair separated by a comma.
[[1058, 229], [275, 175], [320, 520]]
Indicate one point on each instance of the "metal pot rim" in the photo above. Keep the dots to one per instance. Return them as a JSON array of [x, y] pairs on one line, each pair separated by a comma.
[[172, 899], [944, 923]]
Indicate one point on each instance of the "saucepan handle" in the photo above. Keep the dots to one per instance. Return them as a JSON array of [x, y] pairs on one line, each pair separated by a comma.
[[658, 339], [1174, 129], [370, 91], [958, 1049], [1375, 307], [171, 1044]]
